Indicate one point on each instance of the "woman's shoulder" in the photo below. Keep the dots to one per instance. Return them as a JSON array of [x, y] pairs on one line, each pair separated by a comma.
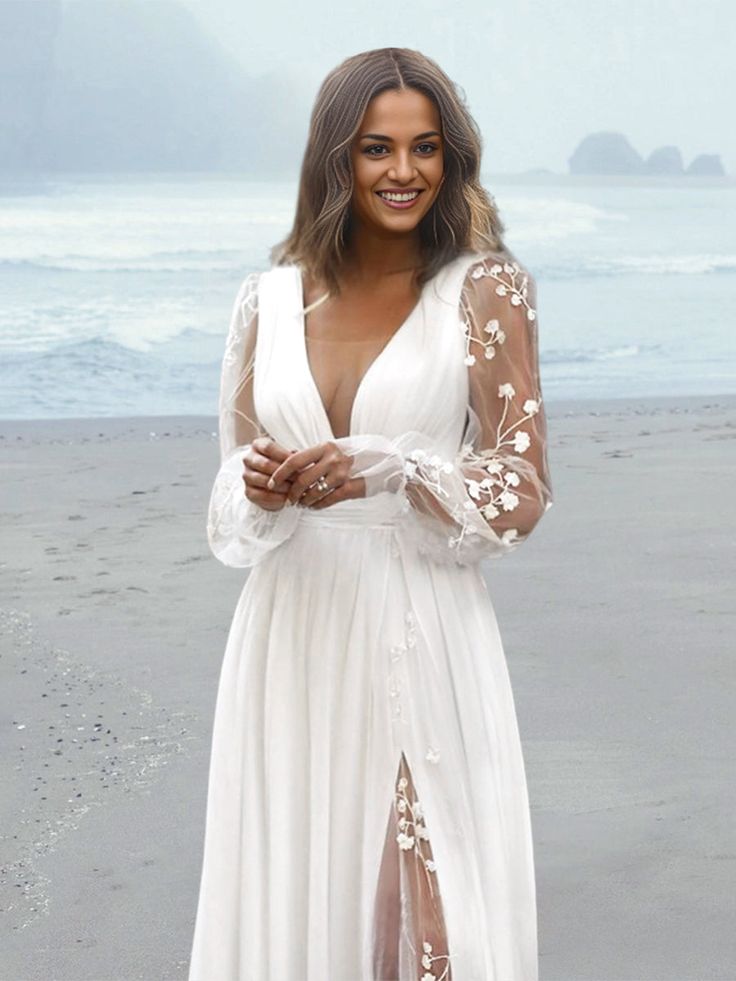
[[255, 283], [501, 273], [494, 263], [496, 282]]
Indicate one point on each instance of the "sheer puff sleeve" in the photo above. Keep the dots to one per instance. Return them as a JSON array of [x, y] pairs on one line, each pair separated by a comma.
[[240, 532], [486, 501]]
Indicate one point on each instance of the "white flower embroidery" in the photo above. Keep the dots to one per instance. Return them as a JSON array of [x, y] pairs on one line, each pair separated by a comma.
[[433, 755], [473, 488], [488, 473], [428, 961], [508, 500], [397, 652], [521, 441], [512, 282], [413, 840]]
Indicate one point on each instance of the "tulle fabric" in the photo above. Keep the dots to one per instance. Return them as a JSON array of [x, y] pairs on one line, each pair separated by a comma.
[[367, 810]]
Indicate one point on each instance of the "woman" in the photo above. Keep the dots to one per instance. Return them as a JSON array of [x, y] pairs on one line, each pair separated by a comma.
[[381, 431]]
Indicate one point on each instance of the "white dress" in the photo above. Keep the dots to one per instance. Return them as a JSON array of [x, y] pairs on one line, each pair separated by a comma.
[[367, 811]]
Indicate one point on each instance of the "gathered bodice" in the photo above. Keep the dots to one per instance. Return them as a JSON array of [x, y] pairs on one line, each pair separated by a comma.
[[418, 380]]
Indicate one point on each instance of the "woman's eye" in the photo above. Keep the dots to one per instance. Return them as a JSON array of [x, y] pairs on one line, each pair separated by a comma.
[[377, 149]]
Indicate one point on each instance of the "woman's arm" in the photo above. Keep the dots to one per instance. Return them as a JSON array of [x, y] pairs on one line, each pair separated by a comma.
[[487, 500], [240, 531]]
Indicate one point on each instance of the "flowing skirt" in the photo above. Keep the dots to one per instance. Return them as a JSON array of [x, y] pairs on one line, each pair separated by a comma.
[[367, 811]]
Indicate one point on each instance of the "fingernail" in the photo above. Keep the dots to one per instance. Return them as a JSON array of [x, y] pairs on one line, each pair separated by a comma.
[[271, 483]]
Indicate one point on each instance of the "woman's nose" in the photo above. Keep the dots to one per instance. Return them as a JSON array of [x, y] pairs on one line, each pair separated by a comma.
[[403, 168]]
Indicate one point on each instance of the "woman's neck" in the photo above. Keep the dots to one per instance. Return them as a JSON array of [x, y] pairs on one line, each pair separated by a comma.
[[373, 254]]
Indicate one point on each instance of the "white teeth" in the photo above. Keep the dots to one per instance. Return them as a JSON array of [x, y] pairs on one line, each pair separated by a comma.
[[393, 196]]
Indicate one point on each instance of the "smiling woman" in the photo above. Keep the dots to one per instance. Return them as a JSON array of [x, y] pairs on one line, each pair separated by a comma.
[[401, 172], [381, 432]]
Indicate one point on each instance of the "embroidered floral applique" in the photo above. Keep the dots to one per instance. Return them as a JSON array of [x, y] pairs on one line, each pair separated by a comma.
[[491, 475], [412, 829], [428, 963], [398, 652], [412, 835]]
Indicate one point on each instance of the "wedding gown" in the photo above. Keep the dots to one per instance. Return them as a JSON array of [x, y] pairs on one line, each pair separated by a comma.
[[367, 812]]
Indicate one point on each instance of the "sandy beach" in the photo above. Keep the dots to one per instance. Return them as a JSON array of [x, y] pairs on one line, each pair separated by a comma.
[[617, 618]]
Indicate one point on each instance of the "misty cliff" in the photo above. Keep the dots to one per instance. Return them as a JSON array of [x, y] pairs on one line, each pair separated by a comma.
[[611, 153], [134, 85]]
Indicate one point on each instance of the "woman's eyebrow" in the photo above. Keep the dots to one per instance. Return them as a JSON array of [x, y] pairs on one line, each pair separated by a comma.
[[389, 139]]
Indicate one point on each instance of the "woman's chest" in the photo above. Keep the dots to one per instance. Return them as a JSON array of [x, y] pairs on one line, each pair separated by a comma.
[[411, 377]]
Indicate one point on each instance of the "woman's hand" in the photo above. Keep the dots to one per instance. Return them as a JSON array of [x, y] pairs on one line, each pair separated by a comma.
[[304, 469], [259, 463]]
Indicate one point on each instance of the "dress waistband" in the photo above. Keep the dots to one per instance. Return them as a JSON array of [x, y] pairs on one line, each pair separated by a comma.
[[384, 510]]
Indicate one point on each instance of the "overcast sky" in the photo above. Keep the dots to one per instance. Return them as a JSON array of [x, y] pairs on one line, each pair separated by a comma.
[[539, 74]]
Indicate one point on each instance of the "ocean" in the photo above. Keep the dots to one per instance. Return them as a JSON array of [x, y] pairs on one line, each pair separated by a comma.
[[117, 291]]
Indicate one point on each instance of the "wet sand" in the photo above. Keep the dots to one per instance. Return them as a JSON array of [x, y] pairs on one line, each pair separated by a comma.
[[617, 619]]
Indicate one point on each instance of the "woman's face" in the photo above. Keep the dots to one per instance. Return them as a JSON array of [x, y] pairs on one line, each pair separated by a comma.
[[397, 161]]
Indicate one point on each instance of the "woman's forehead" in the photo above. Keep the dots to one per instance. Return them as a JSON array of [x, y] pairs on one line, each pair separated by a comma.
[[400, 112]]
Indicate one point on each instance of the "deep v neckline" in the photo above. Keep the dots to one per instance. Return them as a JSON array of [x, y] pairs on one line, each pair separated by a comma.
[[369, 370]]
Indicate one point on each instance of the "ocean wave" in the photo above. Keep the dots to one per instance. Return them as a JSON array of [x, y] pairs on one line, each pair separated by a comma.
[[187, 260], [588, 355], [648, 265], [195, 349], [228, 261], [101, 377]]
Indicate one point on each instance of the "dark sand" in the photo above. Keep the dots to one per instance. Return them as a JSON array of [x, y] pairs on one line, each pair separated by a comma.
[[617, 617]]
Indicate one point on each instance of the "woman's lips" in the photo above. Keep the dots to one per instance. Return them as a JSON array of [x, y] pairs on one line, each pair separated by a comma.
[[400, 200]]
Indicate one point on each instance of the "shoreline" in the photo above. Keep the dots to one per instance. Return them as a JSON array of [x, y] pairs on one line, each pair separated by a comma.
[[556, 408]]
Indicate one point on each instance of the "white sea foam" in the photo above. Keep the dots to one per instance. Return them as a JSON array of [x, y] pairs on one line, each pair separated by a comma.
[[117, 296]]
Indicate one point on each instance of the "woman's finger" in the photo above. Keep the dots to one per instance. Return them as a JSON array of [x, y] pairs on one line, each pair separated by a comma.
[[270, 448], [270, 500], [258, 461], [259, 481], [334, 467], [297, 462], [302, 489], [353, 488]]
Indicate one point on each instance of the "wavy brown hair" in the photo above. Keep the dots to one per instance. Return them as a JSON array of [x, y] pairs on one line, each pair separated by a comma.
[[463, 215]]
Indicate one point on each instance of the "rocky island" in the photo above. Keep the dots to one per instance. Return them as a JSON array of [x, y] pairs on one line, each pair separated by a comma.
[[611, 153]]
